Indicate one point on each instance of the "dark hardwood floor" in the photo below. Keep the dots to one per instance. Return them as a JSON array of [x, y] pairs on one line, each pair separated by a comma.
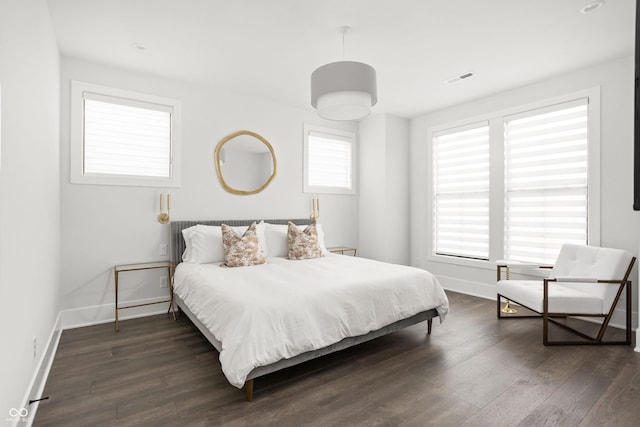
[[472, 371]]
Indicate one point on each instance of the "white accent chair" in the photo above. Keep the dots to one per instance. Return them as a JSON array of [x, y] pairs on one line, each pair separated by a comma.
[[586, 281]]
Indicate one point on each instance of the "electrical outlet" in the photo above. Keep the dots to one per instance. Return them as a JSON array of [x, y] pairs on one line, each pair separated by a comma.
[[35, 346], [163, 282], [163, 249]]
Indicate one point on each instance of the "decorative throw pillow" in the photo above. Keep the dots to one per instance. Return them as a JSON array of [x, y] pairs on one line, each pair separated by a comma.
[[240, 251], [276, 241], [303, 244]]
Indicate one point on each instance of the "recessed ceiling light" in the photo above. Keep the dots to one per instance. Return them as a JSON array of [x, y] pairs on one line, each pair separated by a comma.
[[593, 6], [139, 46]]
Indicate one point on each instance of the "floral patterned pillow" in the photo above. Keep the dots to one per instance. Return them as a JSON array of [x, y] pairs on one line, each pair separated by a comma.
[[241, 251], [303, 244]]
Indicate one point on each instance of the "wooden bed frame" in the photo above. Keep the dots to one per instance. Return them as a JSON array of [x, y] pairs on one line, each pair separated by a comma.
[[177, 248]]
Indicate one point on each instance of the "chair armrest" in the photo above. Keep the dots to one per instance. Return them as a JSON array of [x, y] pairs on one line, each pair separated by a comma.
[[519, 264], [618, 282], [509, 264], [586, 280], [576, 279]]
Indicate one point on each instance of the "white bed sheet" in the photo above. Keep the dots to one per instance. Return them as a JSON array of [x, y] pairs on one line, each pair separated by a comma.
[[265, 313]]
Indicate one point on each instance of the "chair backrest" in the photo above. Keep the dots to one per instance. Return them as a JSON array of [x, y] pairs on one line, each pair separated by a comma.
[[593, 262]]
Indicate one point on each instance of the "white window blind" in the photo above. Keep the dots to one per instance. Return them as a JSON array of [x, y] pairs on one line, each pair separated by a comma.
[[125, 137], [329, 161], [461, 188], [546, 166]]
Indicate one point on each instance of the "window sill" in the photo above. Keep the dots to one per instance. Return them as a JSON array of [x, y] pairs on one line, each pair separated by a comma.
[[465, 262], [125, 180], [487, 265]]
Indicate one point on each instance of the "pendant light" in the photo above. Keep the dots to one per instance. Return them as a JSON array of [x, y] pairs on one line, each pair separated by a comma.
[[344, 90]]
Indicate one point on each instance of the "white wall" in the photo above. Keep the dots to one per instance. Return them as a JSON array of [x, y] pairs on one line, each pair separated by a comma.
[[107, 225], [371, 152], [397, 190], [29, 193], [619, 223], [384, 188]]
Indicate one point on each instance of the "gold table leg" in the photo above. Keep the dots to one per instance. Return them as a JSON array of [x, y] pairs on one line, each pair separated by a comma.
[[116, 288], [171, 306], [507, 309]]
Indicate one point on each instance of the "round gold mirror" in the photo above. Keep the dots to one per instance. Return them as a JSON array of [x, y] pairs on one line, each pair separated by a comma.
[[245, 163]]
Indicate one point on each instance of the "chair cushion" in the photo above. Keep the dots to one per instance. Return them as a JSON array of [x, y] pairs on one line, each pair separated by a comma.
[[593, 262], [562, 298]]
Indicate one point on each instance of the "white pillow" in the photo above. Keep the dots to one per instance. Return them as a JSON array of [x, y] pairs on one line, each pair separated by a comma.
[[186, 235], [203, 243], [277, 243], [206, 244], [323, 248], [262, 238]]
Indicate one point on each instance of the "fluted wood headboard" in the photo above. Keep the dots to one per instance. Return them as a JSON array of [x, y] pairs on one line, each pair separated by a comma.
[[177, 241]]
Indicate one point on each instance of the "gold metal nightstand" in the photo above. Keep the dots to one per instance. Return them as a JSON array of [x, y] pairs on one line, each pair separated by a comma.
[[145, 266], [342, 249]]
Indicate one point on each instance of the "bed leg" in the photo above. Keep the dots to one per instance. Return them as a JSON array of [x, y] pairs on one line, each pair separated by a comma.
[[248, 389], [429, 324]]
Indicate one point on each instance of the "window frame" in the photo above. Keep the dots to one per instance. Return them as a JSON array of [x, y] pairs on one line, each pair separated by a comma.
[[497, 175], [77, 175], [343, 135]]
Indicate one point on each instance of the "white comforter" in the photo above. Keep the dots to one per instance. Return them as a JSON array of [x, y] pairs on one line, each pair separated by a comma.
[[275, 311]]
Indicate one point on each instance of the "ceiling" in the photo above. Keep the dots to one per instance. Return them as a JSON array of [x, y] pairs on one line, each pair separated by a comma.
[[269, 48]]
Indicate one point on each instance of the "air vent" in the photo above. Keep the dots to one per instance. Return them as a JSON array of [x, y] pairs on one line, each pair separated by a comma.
[[594, 5], [458, 78]]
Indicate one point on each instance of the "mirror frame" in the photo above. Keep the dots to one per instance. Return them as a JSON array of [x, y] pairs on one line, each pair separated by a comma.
[[216, 156]]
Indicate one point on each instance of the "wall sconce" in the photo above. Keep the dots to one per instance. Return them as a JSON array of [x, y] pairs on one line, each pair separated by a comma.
[[315, 208], [163, 218]]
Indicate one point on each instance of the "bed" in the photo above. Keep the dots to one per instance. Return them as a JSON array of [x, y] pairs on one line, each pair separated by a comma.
[[272, 316]]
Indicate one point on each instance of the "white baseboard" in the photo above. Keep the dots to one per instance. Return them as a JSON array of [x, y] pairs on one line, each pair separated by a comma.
[[40, 375], [477, 289], [488, 291], [97, 314]]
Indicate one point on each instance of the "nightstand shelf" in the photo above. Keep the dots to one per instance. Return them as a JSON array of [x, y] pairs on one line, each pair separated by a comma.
[[342, 250], [117, 269]]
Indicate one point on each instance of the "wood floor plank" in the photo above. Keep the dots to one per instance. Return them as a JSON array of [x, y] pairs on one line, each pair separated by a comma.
[[569, 404], [164, 415], [620, 404], [75, 414], [473, 370], [517, 401]]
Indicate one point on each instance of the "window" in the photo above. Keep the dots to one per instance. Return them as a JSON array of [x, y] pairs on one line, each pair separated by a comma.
[[518, 184], [461, 191], [329, 160], [123, 138]]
